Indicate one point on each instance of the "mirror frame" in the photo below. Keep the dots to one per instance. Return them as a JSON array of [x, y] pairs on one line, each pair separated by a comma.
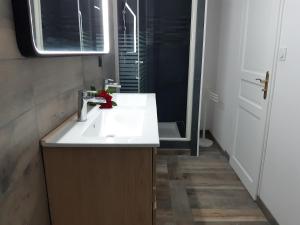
[[25, 35]]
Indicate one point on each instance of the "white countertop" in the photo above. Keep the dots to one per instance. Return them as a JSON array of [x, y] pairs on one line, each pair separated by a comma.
[[133, 123]]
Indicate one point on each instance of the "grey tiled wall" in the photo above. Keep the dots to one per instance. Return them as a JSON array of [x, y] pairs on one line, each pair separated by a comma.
[[36, 95]]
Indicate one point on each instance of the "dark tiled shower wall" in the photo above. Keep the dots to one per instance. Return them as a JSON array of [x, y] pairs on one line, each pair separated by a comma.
[[36, 96], [171, 58]]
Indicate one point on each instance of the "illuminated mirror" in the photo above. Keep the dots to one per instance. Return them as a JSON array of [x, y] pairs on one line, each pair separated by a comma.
[[63, 27]]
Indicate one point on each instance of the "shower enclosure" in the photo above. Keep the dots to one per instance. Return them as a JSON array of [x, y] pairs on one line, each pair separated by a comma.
[[154, 57]]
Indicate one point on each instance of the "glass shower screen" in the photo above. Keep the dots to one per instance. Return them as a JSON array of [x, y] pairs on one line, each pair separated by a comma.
[[154, 42]]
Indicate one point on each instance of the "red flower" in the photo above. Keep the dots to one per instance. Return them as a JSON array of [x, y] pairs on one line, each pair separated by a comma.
[[105, 95], [107, 105]]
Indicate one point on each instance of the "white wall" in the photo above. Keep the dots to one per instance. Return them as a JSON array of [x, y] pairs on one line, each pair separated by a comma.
[[211, 53], [280, 187], [222, 65]]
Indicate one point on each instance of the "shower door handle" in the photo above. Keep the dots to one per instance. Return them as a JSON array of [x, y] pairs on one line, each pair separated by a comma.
[[138, 62]]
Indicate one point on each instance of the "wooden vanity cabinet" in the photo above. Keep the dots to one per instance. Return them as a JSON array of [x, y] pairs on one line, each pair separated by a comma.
[[101, 186]]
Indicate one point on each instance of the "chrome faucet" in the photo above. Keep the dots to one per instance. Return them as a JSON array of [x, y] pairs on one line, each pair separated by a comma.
[[84, 97], [109, 83]]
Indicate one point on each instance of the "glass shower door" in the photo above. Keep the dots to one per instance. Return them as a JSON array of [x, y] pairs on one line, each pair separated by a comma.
[[128, 34], [154, 41]]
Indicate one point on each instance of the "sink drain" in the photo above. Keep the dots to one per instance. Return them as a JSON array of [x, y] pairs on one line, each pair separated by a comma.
[[110, 136]]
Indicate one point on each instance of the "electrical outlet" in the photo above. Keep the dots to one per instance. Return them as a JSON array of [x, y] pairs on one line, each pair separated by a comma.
[[283, 54]]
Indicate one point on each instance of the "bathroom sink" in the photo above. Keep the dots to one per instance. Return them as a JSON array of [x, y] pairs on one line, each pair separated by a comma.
[[117, 122], [132, 123]]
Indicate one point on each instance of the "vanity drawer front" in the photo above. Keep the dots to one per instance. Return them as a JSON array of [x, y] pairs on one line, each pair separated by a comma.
[[100, 186]]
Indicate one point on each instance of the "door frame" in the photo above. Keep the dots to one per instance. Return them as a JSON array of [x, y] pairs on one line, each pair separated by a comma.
[[197, 153], [192, 69]]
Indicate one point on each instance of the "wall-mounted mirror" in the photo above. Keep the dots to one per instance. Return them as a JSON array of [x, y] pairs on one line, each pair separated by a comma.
[[62, 27]]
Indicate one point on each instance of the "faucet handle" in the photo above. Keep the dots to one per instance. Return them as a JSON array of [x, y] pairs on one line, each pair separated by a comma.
[[92, 93], [108, 81], [98, 100], [85, 93]]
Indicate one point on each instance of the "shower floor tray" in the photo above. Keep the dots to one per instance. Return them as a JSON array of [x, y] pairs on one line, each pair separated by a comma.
[[168, 130]]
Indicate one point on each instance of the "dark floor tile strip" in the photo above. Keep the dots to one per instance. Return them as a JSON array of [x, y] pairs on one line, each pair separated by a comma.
[[174, 172], [180, 203], [166, 151]]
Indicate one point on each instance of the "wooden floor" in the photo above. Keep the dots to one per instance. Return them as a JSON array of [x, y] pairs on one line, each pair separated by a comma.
[[202, 191]]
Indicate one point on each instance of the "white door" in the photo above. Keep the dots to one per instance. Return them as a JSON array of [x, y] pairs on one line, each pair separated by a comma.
[[257, 56]]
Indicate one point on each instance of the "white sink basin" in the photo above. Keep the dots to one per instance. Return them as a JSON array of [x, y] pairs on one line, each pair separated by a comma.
[[118, 122], [132, 123], [127, 100]]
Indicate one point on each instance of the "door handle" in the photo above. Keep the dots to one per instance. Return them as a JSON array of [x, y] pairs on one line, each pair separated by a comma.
[[265, 83]]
